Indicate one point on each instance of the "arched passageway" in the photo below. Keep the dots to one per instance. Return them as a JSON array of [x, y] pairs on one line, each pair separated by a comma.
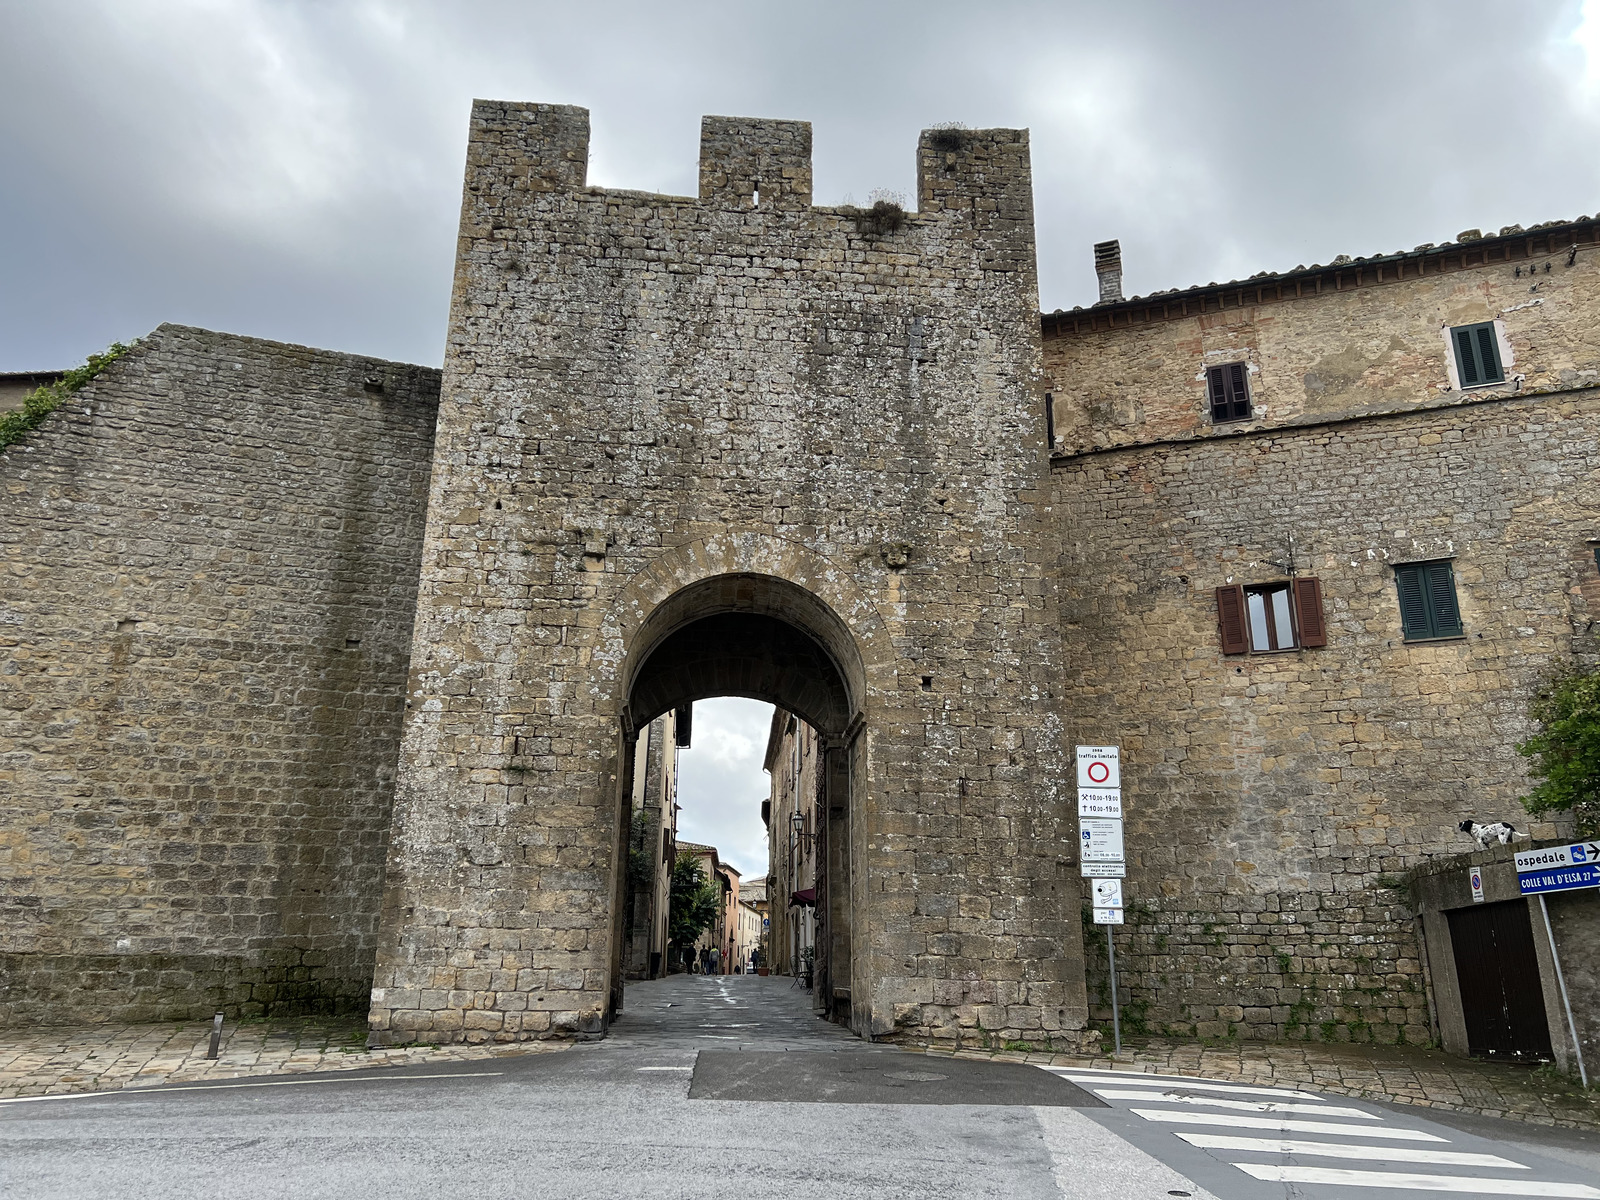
[[761, 638]]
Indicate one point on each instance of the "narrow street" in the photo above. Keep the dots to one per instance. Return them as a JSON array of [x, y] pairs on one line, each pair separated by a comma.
[[728, 1086]]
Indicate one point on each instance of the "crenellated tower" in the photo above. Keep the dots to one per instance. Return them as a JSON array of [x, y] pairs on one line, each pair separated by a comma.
[[737, 444]]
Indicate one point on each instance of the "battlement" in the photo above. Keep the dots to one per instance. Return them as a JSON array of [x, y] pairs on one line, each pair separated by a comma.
[[746, 162], [521, 150], [534, 147]]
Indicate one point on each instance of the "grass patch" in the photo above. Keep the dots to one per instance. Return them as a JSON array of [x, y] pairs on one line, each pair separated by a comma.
[[41, 402]]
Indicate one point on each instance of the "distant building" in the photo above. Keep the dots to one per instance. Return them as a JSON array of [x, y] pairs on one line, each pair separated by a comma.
[[652, 844], [15, 386], [793, 761], [748, 939], [723, 934]]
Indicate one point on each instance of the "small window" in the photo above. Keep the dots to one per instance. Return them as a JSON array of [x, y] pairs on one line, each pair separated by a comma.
[[1229, 386], [1477, 355], [1428, 606], [1265, 617], [1271, 625]]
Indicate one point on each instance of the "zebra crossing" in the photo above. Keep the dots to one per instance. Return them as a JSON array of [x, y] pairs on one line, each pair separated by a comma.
[[1327, 1148]]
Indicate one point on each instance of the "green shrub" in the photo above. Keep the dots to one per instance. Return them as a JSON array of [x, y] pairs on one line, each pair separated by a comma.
[[41, 402], [1566, 749]]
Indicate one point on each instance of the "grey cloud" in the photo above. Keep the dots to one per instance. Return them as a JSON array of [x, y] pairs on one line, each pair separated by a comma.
[[721, 783], [292, 170]]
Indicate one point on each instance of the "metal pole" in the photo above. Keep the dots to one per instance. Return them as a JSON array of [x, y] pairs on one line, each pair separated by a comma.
[[1116, 1020], [216, 1036], [1572, 1028]]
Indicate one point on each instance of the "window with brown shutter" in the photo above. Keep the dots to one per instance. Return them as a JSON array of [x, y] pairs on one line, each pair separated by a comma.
[[1313, 629], [1230, 619], [1262, 618]]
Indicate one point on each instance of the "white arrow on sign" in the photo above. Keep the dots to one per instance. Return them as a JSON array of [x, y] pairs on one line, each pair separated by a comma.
[[1556, 856]]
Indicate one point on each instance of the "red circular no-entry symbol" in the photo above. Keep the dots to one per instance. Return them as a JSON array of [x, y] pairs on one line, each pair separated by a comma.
[[1099, 772]]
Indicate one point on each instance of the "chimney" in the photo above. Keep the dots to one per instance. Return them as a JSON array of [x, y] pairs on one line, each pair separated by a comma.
[[1108, 266]]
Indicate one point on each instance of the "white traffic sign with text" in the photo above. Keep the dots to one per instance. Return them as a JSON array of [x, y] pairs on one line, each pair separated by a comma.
[[1100, 802], [1102, 839], [1099, 767]]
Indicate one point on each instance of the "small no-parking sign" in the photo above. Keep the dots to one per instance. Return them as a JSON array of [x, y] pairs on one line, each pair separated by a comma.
[[1477, 886], [1099, 767]]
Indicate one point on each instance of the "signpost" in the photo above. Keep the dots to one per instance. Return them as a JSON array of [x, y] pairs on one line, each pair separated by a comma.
[[1102, 857], [1559, 869]]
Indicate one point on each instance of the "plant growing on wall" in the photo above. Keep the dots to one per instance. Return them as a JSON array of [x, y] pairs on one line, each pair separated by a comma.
[[694, 904], [41, 402], [1566, 749]]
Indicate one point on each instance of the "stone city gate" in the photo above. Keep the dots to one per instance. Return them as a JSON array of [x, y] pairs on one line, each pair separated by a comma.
[[736, 444]]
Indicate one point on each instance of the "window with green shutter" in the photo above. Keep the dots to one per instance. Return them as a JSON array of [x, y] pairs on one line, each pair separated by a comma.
[[1428, 606], [1477, 355]]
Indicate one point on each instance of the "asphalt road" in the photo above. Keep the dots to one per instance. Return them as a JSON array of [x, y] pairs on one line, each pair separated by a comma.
[[780, 1105]]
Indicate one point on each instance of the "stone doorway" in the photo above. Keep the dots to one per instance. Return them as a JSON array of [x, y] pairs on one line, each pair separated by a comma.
[[764, 638]]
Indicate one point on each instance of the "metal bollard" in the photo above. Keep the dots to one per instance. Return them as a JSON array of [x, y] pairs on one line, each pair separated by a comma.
[[216, 1036]]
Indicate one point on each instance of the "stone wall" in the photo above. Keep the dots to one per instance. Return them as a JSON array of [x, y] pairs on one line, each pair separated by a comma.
[[643, 393], [210, 560], [1275, 800]]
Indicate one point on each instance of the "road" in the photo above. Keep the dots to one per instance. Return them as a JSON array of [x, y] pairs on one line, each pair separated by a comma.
[[713, 1087]]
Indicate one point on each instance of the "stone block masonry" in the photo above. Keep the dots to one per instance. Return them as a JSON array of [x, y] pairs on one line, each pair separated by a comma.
[[210, 560], [1276, 800], [646, 393]]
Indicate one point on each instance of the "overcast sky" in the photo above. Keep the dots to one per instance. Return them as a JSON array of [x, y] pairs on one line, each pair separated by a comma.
[[721, 784], [293, 170]]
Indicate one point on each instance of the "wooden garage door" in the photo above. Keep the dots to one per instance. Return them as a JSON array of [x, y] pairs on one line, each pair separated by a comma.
[[1501, 996]]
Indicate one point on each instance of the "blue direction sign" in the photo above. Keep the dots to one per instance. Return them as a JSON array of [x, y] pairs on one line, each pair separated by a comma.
[[1560, 879]]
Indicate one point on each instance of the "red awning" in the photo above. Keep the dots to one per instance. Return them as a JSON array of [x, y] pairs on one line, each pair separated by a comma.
[[807, 898]]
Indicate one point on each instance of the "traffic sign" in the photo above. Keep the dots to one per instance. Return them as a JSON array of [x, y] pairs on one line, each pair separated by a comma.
[[1101, 839], [1558, 856], [1559, 879], [1103, 870], [1099, 767], [1108, 916], [1100, 802], [1477, 886], [1107, 893]]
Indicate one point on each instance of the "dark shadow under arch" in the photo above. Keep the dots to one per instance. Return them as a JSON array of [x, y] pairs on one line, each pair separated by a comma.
[[743, 654], [755, 636]]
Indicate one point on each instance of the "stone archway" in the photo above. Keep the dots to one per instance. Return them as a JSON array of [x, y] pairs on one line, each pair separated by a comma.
[[763, 638]]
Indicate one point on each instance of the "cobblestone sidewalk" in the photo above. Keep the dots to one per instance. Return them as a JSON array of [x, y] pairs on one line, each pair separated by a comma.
[[1399, 1074], [57, 1060]]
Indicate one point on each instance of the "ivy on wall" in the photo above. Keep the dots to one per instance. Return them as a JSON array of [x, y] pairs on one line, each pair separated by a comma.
[[41, 402]]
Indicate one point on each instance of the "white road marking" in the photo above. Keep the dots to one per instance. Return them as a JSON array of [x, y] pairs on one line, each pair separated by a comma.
[[1460, 1184], [1262, 1106], [1284, 1125], [1451, 1158], [1132, 1079], [163, 1090]]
